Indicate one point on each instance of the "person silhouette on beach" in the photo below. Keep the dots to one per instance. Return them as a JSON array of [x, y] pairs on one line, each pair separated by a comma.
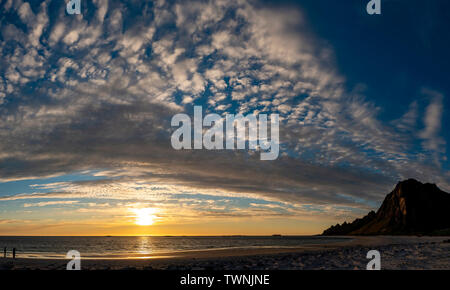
[[14, 253]]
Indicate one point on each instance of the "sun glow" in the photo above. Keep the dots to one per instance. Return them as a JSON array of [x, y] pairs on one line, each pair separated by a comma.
[[144, 216]]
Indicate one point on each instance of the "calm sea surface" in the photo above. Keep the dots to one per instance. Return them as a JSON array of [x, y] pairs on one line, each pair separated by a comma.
[[142, 247]]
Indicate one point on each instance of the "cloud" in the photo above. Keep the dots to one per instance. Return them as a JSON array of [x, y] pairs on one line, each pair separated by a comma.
[[25, 12], [46, 203], [408, 121], [432, 121], [98, 92]]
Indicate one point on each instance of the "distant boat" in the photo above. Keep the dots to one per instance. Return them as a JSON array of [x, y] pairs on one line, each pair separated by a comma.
[[276, 235]]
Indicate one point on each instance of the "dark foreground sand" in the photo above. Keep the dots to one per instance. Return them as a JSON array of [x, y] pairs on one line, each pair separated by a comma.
[[414, 253]]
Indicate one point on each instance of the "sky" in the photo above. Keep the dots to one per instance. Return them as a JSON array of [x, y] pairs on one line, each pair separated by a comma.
[[86, 103]]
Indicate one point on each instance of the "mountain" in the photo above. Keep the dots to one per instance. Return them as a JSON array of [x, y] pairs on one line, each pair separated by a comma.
[[411, 208]]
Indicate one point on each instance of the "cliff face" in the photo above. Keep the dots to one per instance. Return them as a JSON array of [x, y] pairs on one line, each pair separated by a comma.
[[411, 208]]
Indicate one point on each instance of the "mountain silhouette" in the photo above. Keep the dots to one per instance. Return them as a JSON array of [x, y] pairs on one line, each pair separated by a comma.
[[411, 208]]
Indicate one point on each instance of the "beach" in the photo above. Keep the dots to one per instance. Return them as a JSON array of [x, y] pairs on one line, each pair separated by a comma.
[[397, 253]]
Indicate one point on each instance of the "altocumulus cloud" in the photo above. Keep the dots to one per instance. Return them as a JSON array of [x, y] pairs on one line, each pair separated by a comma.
[[97, 91]]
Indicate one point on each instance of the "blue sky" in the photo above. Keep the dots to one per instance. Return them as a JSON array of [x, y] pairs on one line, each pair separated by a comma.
[[398, 52], [86, 102]]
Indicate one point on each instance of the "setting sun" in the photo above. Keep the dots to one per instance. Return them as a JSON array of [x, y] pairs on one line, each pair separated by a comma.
[[144, 216]]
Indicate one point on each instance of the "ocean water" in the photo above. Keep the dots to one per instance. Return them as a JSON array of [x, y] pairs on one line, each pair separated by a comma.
[[144, 246]]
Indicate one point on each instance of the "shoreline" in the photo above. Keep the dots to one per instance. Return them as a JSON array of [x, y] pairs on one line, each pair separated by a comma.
[[398, 252], [192, 253]]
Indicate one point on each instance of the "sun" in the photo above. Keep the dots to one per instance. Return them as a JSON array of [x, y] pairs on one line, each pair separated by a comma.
[[144, 216]]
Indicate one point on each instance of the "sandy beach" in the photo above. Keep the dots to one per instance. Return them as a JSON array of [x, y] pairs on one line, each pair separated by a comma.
[[397, 253]]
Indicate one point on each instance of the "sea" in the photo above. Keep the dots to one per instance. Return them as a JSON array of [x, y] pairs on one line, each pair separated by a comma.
[[127, 247]]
